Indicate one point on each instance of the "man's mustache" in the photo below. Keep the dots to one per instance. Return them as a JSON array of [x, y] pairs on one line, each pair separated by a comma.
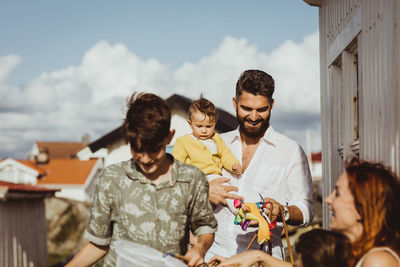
[[254, 122]]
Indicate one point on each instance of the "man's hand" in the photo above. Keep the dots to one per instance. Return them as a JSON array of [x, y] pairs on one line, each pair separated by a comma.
[[295, 215], [273, 206], [195, 255], [218, 193]]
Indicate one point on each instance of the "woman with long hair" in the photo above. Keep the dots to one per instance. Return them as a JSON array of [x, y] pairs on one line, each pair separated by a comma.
[[365, 206]]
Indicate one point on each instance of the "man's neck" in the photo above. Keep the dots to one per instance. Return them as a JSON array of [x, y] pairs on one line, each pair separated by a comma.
[[249, 141], [249, 147], [161, 173]]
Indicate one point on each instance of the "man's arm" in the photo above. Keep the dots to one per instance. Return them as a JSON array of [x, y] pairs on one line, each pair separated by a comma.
[[195, 255], [299, 189], [88, 255]]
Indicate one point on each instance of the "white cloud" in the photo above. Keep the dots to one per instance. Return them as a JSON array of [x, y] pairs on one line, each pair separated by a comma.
[[90, 98], [296, 71], [7, 64]]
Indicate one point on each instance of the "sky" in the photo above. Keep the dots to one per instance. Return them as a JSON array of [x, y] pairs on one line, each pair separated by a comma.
[[67, 67]]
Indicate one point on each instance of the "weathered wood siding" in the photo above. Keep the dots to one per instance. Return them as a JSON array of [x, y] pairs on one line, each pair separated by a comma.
[[23, 233], [360, 84]]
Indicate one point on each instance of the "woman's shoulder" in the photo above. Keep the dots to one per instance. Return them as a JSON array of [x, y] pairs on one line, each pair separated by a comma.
[[381, 256]]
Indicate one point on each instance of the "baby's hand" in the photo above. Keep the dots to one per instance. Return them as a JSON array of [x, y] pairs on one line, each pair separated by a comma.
[[236, 168]]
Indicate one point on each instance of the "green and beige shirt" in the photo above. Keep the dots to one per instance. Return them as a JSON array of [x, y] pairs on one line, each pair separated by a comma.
[[126, 206]]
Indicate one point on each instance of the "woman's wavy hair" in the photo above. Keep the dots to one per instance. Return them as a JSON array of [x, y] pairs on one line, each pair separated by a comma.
[[376, 192]]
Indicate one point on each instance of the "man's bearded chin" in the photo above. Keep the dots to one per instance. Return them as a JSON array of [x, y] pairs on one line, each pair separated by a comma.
[[254, 132]]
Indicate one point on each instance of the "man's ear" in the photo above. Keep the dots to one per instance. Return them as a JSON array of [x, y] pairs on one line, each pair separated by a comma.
[[170, 136], [272, 104], [234, 103]]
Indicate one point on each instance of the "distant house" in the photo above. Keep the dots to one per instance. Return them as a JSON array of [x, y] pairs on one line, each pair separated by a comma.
[[20, 171], [113, 147], [74, 177], [64, 150], [360, 84], [21, 210]]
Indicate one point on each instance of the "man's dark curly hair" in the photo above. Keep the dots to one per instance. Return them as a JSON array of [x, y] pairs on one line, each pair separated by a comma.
[[147, 122], [255, 82]]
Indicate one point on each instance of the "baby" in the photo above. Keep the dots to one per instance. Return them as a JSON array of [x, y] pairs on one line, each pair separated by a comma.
[[204, 148]]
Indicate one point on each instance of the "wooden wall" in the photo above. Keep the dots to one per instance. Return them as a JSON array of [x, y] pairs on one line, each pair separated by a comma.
[[360, 84], [23, 233]]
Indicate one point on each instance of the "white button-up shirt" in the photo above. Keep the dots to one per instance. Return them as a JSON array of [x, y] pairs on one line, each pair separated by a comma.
[[279, 169]]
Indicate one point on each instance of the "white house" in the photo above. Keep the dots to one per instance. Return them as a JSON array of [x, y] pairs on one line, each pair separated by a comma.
[[54, 165], [16, 172]]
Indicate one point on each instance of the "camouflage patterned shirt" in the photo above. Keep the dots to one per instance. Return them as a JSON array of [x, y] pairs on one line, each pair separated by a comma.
[[127, 206]]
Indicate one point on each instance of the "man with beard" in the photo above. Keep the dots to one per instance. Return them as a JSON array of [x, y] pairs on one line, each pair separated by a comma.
[[274, 165]]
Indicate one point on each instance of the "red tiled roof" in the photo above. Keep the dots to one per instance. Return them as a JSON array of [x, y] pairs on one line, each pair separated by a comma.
[[316, 156], [62, 171], [64, 150], [25, 188], [67, 171]]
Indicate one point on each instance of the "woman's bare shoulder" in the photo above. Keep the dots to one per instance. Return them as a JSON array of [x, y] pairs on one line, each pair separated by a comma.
[[380, 257]]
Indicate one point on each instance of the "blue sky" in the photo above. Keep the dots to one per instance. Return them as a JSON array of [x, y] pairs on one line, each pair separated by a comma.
[[62, 63]]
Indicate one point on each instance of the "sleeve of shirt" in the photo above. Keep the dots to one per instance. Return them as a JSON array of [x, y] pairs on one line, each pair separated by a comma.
[[99, 229], [202, 219], [179, 151], [227, 157], [299, 185]]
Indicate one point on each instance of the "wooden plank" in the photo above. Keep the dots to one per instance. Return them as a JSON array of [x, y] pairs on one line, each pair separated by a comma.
[[349, 101], [23, 233], [325, 123], [343, 39], [395, 19]]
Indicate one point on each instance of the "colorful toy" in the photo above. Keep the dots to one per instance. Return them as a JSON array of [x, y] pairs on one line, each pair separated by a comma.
[[254, 212]]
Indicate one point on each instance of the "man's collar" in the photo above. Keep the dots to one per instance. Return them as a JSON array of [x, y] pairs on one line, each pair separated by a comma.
[[268, 137], [134, 174]]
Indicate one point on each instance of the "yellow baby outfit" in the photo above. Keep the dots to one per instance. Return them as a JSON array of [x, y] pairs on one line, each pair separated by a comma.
[[191, 151]]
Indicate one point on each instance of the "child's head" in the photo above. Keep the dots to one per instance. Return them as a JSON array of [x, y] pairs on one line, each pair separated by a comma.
[[202, 118], [147, 129], [320, 247]]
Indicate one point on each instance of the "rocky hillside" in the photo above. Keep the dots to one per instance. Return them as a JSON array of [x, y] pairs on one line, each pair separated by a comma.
[[66, 222]]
